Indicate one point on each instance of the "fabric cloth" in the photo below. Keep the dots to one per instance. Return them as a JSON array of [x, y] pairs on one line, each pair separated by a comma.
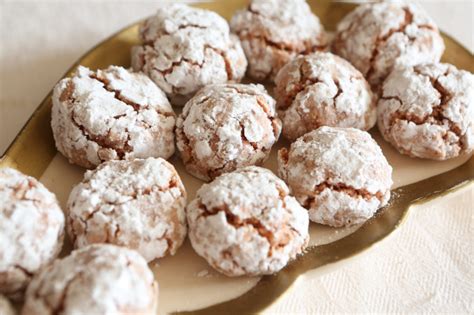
[[426, 266]]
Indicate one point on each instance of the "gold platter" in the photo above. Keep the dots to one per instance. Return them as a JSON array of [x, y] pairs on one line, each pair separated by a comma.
[[33, 151]]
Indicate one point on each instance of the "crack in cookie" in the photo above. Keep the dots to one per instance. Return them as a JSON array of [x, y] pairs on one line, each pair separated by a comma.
[[243, 231], [119, 115], [322, 89], [271, 36], [237, 127], [117, 93], [298, 87], [408, 20], [103, 269], [304, 48], [376, 37], [238, 222], [148, 193], [338, 174], [228, 64], [31, 230], [182, 62], [342, 188], [103, 141], [440, 120], [244, 138], [266, 107]]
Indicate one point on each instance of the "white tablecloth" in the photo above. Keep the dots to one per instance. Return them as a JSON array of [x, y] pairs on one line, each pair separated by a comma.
[[427, 266]]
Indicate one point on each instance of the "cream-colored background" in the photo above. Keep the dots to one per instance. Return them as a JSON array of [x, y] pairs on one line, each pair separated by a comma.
[[427, 266]]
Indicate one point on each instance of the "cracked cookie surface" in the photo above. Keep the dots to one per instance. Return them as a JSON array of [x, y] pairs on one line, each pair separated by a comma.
[[273, 32], [427, 111], [322, 89], [184, 49], [138, 204], [226, 126], [111, 114], [339, 174], [97, 279], [377, 37], [31, 230], [241, 230]]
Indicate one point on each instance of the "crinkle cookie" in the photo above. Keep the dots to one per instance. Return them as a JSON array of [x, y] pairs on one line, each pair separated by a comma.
[[378, 36], [322, 89], [111, 114], [31, 230], [138, 204], [273, 32], [246, 223], [185, 48], [427, 111], [226, 126], [339, 174], [97, 279], [5, 307]]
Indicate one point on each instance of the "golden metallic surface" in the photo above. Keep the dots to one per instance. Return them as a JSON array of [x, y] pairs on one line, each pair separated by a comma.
[[33, 149], [387, 220]]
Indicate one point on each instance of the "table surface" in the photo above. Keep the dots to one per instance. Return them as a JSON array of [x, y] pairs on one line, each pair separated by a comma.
[[427, 266]]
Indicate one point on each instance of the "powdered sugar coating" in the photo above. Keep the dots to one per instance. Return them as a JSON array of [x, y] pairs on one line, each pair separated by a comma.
[[31, 230], [186, 48], [376, 37], [339, 174], [322, 89], [138, 204], [226, 126], [97, 279], [273, 32], [241, 230], [5, 307], [427, 111], [111, 114]]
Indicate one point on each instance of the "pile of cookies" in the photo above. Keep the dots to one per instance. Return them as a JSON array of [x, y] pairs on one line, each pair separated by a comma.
[[131, 208]]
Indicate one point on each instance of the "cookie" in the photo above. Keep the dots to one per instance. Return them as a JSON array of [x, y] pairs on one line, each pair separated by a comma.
[[427, 111], [97, 279], [111, 114], [376, 37], [31, 230], [246, 223], [138, 204], [322, 89], [5, 307], [226, 126], [185, 48], [273, 32], [339, 174]]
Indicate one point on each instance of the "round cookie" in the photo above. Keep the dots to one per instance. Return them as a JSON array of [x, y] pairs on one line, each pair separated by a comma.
[[322, 89], [376, 37], [31, 230], [339, 174], [5, 307], [111, 114], [246, 223], [185, 48], [427, 111], [273, 32], [97, 279], [138, 204], [226, 126]]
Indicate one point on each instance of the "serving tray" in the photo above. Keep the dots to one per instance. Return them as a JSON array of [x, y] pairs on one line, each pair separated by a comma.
[[187, 283]]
